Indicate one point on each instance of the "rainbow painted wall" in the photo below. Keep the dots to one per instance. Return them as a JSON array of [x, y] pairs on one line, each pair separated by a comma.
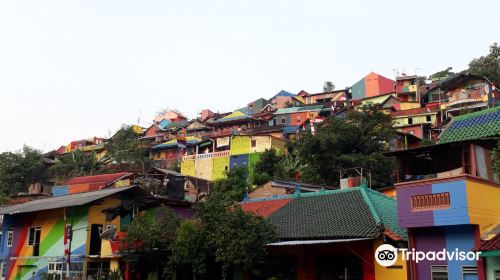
[[20, 262]]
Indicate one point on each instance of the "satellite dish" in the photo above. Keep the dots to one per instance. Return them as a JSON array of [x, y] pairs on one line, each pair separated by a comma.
[[108, 234]]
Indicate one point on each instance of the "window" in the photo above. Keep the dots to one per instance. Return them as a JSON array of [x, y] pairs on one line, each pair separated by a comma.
[[54, 270], [10, 238], [430, 201], [469, 272], [3, 270], [34, 232], [410, 120], [428, 118], [298, 119], [439, 272], [497, 275], [254, 143], [283, 120]]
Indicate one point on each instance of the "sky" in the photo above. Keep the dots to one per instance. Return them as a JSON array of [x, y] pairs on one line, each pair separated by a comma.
[[71, 70]]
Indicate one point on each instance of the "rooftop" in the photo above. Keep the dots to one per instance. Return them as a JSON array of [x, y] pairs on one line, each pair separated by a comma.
[[65, 200], [95, 179], [482, 124], [335, 214]]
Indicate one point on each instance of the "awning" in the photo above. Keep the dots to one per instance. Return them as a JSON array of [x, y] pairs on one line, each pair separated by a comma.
[[313, 242]]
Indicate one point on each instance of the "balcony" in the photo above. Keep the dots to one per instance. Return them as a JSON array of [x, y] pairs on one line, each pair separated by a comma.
[[206, 156]]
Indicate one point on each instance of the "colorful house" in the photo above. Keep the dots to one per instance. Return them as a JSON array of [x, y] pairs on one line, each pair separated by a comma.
[[448, 196], [339, 97], [407, 88], [54, 234], [282, 99], [229, 152], [418, 121], [169, 154], [466, 93], [93, 183], [333, 234], [372, 85], [295, 116]]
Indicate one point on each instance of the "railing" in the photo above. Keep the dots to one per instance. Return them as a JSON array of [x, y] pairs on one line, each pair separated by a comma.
[[205, 156]]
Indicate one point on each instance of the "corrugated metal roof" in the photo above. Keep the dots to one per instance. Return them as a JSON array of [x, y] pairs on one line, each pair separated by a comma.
[[101, 178], [299, 109], [61, 201]]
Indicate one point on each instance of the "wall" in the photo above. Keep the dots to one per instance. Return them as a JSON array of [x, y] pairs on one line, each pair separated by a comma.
[[438, 238], [203, 168], [187, 167], [397, 272], [492, 264], [51, 241], [456, 214], [238, 161], [240, 145], [253, 158], [483, 203], [409, 105], [267, 190], [220, 167], [262, 143]]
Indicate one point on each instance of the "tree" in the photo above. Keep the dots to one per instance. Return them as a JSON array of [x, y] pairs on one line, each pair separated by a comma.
[[19, 169], [221, 231], [443, 74], [357, 140], [489, 65], [265, 168], [124, 148], [77, 163], [149, 238], [328, 86], [232, 188]]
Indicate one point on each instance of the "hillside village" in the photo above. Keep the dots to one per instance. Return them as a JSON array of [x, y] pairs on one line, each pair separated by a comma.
[[443, 191]]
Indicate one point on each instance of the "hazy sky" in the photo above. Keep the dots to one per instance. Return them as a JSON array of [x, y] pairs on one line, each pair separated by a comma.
[[77, 69]]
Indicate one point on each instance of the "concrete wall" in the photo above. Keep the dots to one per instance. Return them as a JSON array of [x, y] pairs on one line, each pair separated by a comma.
[[240, 145], [187, 167], [492, 264], [220, 167], [203, 168]]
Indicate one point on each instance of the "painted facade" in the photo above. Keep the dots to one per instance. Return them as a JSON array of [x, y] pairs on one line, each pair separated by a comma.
[[372, 85]]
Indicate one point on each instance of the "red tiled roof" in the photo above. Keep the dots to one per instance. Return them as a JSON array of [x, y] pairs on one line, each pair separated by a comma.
[[103, 178], [490, 245], [415, 111], [266, 207]]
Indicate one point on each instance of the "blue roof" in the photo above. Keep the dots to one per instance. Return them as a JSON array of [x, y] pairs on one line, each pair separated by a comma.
[[290, 129], [283, 93], [163, 123]]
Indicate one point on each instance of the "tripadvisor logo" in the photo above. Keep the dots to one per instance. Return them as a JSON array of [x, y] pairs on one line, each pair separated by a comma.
[[387, 255]]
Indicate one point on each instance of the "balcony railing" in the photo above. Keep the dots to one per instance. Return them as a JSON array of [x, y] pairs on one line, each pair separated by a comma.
[[206, 156]]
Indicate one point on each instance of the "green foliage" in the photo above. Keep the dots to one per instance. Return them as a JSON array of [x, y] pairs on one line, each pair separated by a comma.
[[19, 169], [76, 163], [426, 142], [496, 158], [328, 86], [489, 65], [443, 74], [231, 188], [124, 148], [357, 140], [225, 233], [149, 238], [289, 104], [266, 167]]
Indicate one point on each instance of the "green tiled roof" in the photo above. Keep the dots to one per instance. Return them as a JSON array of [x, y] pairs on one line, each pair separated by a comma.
[[476, 125], [338, 214], [299, 109]]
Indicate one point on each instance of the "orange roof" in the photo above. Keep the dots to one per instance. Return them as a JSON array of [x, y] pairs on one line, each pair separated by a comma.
[[265, 208], [103, 178]]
